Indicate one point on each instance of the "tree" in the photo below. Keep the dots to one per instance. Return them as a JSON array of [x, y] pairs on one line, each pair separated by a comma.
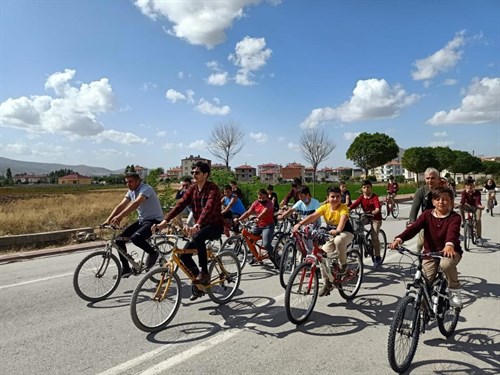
[[418, 159], [491, 168], [315, 146], [444, 157], [54, 175], [465, 163], [9, 178], [226, 140], [368, 151]]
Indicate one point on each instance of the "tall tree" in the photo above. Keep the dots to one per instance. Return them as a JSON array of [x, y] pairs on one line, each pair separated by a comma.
[[226, 140], [369, 151], [9, 178], [465, 163], [444, 157], [418, 159], [315, 146]]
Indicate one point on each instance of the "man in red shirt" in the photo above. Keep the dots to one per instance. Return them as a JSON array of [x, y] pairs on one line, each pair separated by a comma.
[[264, 209], [204, 197], [371, 205], [472, 199]]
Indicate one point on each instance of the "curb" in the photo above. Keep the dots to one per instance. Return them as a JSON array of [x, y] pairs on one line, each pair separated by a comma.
[[24, 255]]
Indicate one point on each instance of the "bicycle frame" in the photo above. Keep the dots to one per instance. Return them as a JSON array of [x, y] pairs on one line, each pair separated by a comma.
[[255, 247]]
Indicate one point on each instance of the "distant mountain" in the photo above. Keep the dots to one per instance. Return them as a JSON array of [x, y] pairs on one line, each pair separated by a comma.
[[18, 167]]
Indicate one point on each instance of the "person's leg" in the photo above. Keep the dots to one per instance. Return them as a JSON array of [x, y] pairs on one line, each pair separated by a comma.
[[331, 252], [449, 267], [375, 240], [341, 242], [267, 237], [208, 232], [127, 232], [478, 222], [430, 268], [420, 241]]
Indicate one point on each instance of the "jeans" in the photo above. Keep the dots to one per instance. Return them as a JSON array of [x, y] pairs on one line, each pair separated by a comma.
[[209, 232], [138, 232], [267, 237]]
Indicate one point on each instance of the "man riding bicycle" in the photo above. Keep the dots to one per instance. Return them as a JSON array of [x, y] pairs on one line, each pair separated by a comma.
[[205, 199], [233, 208]]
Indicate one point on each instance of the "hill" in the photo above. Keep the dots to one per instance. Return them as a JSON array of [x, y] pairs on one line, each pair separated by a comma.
[[18, 167]]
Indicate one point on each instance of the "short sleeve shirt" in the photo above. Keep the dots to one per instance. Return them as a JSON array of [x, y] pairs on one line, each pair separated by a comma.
[[150, 209], [257, 207], [332, 217], [306, 209]]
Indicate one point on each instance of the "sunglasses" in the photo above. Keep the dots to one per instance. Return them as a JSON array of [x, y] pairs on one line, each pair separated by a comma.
[[195, 173]]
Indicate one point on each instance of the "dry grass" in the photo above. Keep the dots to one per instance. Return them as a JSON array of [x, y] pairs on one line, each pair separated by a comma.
[[52, 212]]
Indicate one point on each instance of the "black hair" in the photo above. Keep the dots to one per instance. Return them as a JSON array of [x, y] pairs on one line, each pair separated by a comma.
[[133, 175], [263, 191], [202, 166], [333, 189], [440, 190], [305, 190], [270, 187], [228, 187], [366, 182]]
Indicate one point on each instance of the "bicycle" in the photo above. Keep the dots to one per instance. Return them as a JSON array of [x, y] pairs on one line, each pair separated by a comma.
[[423, 302], [240, 244], [363, 236], [157, 296], [389, 206], [490, 202], [98, 275], [470, 227], [296, 244], [302, 289]]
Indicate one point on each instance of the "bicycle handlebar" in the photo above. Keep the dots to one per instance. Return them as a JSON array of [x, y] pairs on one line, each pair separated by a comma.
[[435, 254]]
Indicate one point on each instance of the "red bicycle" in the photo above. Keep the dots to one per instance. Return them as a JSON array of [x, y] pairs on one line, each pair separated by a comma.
[[389, 207], [303, 286]]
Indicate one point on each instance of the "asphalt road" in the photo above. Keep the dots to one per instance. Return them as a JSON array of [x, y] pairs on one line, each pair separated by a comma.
[[46, 329]]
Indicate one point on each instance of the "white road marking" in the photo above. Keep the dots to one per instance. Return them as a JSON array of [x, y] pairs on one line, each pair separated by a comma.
[[172, 361], [36, 281]]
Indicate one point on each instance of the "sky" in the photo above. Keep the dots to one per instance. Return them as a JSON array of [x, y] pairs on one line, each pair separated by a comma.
[[112, 83]]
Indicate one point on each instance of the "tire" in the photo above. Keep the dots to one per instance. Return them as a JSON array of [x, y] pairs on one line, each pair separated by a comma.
[[467, 236], [97, 276], [149, 313], [226, 274], [288, 262], [383, 245], [164, 246], [279, 242], [351, 281], [395, 210], [403, 335], [383, 210], [447, 318], [237, 246], [301, 293]]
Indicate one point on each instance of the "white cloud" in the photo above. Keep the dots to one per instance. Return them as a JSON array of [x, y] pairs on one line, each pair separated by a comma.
[[348, 136], [73, 111], [107, 153], [172, 146], [259, 137], [208, 108], [200, 22], [17, 149], [180, 75], [450, 82], [250, 55], [125, 138], [293, 146], [481, 104], [441, 134], [198, 145], [218, 79], [174, 96], [441, 60], [281, 138], [441, 144], [161, 134], [146, 86], [371, 99]]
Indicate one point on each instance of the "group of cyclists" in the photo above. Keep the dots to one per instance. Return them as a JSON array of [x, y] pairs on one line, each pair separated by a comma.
[[211, 212]]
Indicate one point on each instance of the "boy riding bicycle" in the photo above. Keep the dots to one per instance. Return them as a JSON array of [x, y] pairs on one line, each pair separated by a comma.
[[392, 189], [472, 199]]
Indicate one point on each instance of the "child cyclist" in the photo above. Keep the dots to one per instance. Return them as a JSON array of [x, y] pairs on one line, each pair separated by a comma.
[[371, 205], [336, 214], [441, 227]]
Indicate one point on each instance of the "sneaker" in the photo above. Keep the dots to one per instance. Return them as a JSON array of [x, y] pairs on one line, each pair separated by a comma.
[[125, 274], [342, 270], [377, 262], [150, 262], [462, 225], [455, 298], [203, 278], [254, 262], [487, 210], [326, 289], [495, 203]]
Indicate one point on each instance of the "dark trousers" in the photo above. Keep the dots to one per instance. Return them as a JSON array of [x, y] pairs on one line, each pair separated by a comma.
[[138, 232], [209, 232]]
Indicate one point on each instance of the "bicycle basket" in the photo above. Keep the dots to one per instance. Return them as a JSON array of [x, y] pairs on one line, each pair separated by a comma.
[[365, 219]]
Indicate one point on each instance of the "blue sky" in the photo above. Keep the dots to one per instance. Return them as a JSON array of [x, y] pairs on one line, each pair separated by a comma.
[[113, 83]]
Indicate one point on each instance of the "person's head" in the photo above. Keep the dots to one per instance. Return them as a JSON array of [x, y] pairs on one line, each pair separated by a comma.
[[442, 199], [233, 184], [186, 183], [200, 171], [443, 181], [133, 180], [262, 195], [270, 188], [470, 185], [297, 182], [431, 176], [342, 186], [305, 194], [228, 191], [366, 187], [489, 181], [334, 196], [391, 178]]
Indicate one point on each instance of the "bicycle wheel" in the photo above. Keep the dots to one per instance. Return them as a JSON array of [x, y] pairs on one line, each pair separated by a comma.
[[301, 293], [97, 276], [447, 318], [237, 246], [382, 238], [279, 242], [351, 282], [395, 210], [383, 210], [288, 262], [154, 304], [225, 274], [467, 236], [164, 246], [403, 335]]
